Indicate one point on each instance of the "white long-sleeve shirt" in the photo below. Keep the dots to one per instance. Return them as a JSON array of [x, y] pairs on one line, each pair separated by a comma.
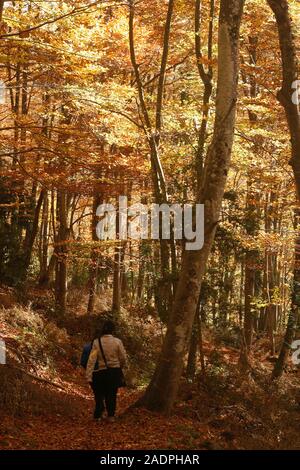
[[114, 351]]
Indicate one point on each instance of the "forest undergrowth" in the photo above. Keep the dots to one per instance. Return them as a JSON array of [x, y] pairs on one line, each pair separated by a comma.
[[47, 404]]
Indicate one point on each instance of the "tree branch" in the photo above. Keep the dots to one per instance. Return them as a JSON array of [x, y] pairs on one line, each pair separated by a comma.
[[162, 73], [75, 11]]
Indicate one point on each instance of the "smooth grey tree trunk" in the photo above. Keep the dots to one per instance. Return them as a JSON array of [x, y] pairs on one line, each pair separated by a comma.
[[163, 388]]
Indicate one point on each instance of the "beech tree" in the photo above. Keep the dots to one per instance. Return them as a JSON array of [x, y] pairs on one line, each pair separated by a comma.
[[289, 98], [162, 391]]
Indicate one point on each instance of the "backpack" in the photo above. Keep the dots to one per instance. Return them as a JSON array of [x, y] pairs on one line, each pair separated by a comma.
[[86, 351]]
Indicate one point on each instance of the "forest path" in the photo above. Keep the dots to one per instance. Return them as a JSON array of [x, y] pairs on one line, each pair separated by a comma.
[[75, 428], [215, 415]]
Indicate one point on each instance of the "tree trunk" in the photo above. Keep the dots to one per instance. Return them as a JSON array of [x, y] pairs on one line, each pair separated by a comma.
[[292, 320], [206, 78], [61, 254], [251, 258], [30, 239], [116, 300], [94, 260], [192, 357], [1, 8], [249, 295], [286, 96], [152, 129], [162, 391], [200, 339], [116, 297], [141, 274], [44, 241]]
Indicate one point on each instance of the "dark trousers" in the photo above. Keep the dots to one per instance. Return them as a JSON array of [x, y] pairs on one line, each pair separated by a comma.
[[105, 388]]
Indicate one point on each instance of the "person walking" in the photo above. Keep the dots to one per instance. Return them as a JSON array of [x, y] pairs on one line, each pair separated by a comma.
[[109, 352]]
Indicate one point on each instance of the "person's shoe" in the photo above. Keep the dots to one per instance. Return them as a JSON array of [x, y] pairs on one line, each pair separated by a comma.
[[111, 419], [98, 420]]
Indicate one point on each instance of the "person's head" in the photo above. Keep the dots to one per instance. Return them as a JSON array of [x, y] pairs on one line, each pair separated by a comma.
[[108, 327], [97, 333]]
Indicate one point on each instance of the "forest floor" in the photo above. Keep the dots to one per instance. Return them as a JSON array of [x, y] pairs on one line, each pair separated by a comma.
[[227, 423], [221, 411]]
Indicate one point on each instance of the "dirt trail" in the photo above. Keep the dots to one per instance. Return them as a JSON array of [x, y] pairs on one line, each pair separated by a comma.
[[219, 414], [134, 429]]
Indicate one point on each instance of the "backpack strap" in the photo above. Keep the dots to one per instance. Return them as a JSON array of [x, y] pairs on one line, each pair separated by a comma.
[[102, 352]]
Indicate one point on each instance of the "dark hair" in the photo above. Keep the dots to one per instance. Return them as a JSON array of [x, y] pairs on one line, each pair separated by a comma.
[[97, 333], [108, 328]]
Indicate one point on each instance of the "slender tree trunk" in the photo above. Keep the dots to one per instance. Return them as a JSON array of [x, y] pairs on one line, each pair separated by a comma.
[[152, 129], [30, 239], [192, 357], [293, 316], [63, 233], [123, 275], [162, 391], [206, 77], [251, 257], [44, 240], [61, 254], [116, 301], [1, 8], [51, 267], [141, 273], [241, 293], [200, 340], [116, 297], [94, 260], [249, 295], [196, 344], [271, 307]]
